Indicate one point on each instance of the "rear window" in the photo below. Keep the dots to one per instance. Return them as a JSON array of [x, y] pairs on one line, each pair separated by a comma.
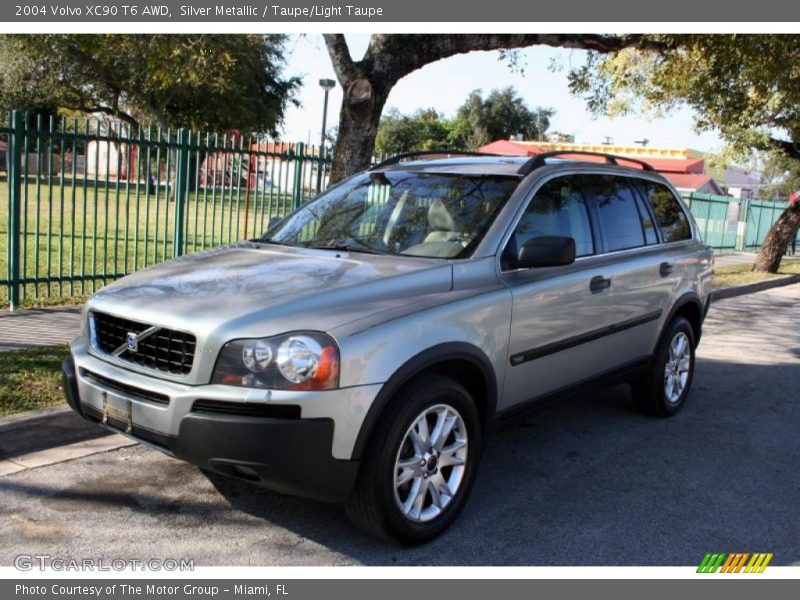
[[669, 214], [619, 217]]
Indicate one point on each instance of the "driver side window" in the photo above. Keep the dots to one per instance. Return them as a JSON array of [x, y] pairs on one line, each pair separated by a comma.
[[558, 208]]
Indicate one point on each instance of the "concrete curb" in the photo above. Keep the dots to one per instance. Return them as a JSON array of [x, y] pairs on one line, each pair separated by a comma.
[[752, 288], [52, 456], [12, 422], [48, 423]]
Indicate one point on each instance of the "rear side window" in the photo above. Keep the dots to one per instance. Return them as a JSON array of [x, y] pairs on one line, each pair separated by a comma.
[[619, 217], [668, 211]]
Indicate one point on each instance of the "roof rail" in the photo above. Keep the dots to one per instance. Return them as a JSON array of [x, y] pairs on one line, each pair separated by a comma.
[[393, 160], [540, 159]]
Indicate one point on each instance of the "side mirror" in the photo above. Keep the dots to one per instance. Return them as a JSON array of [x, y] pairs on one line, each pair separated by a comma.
[[546, 251], [274, 222]]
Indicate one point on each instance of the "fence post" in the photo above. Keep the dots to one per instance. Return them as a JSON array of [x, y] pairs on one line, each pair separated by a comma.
[[741, 226], [297, 184], [14, 169], [181, 192]]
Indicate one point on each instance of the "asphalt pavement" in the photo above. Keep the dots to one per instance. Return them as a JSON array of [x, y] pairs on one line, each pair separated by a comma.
[[585, 482]]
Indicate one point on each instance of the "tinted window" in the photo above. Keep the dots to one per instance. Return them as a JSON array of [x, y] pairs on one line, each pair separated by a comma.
[[669, 214], [616, 207], [558, 208], [649, 227]]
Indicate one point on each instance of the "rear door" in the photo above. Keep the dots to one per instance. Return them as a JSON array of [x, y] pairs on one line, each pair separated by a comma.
[[642, 279]]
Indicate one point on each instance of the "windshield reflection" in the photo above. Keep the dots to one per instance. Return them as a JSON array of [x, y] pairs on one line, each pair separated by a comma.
[[400, 212]]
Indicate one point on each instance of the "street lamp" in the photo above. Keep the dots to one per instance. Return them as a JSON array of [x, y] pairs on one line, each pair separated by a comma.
[[327, 85]]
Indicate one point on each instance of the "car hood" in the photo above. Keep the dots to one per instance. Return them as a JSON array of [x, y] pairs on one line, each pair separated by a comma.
[[262, 289]]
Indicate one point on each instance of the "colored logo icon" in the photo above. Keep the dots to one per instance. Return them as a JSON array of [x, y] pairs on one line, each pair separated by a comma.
[[735, 562]]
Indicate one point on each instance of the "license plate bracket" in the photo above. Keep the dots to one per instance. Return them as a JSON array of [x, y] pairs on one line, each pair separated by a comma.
[[119, 409]]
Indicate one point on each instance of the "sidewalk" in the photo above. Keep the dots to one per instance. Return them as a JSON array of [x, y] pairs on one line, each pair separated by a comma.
[[39, 327], [737, 258]]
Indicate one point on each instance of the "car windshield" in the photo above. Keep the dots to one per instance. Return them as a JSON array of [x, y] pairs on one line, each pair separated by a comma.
[[399, 212]]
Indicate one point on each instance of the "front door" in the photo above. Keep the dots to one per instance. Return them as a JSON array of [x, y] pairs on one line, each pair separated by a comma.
[[558, 312]]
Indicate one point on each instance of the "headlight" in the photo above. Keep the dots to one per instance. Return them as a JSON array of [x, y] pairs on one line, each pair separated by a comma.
[[305, 360]]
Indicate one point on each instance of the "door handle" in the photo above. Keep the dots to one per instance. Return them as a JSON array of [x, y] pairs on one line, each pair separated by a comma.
[[665, 269], [599, 283]]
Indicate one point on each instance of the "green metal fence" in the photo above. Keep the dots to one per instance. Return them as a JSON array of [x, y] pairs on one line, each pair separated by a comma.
[[717, 218], [760, 215], [86, 201]]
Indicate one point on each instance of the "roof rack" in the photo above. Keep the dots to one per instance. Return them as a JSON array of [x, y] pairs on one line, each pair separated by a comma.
[[540, 159], [409, 155]]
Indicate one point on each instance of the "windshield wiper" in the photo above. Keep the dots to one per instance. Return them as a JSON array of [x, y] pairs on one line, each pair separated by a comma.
[[345, 248], [266, 240]]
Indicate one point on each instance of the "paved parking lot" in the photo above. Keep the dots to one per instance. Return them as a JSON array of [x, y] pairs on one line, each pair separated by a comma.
[[585, 482]]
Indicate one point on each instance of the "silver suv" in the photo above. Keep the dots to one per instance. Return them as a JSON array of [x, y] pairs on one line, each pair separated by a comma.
[[359, 352]]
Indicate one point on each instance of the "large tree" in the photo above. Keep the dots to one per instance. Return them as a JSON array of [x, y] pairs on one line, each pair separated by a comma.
[[424, 130], [499, 115], [192, 80], [390, 57], [745, 86], [780, 175]]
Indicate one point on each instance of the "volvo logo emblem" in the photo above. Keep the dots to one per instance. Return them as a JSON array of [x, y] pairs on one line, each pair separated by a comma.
[[133, 341]]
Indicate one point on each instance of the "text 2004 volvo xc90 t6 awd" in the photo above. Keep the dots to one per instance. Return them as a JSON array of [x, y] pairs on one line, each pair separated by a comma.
[[358, 352]]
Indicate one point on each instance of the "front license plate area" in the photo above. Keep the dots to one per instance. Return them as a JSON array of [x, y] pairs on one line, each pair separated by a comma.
[[117, 412]]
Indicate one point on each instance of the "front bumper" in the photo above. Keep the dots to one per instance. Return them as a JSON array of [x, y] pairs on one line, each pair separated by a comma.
[[294, 452]]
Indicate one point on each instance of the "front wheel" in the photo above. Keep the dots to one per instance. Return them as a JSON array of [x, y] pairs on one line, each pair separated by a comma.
[[420, 464], [663, 391]]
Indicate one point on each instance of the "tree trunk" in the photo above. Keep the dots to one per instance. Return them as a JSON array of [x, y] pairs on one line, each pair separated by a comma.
[[355, 141], [390, 57], [778, 238]]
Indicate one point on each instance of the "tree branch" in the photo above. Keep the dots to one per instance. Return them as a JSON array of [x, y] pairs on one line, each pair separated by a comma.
[[107, 110], [343, 64], [790, 149], [399, 55]]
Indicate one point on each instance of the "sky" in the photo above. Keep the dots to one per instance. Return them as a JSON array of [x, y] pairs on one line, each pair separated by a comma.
[[444, 86]]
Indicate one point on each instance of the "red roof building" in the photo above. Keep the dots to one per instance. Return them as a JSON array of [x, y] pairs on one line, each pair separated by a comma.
[[684, 168]]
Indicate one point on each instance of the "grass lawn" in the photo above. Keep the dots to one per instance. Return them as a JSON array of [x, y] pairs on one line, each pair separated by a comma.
[[31, 379], [75, 230], [743, 274]]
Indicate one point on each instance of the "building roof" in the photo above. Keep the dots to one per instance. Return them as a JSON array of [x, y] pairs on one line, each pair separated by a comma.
[[693, 182], [509, 148], [526, 148], [663, 160], [740, 178], [677, 165]]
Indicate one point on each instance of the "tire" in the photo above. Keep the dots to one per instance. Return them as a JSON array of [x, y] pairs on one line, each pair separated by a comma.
[[380, 503], [663, 391]]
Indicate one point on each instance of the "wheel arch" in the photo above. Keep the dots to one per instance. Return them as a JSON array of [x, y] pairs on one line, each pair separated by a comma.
[[690, 307], [461, 361]]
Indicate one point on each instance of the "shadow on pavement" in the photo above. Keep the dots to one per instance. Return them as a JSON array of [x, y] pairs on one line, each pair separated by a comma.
[[585, 482], [591, 482], [45, 431]]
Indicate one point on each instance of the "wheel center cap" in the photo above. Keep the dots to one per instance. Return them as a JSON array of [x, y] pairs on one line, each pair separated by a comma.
[[431, 463]]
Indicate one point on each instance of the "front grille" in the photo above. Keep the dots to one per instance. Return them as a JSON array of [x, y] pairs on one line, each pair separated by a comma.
[[247, 409], [124, 388], [164, 350]]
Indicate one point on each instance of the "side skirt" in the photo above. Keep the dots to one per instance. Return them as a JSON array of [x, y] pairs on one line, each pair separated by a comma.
[[621, 374]]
